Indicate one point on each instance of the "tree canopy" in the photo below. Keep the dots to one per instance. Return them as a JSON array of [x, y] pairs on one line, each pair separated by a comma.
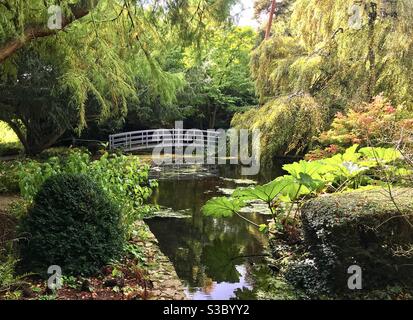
[[218, 78], [105, 52], [318, 51]]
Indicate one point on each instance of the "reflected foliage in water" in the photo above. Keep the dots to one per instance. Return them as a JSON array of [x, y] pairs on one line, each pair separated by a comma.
[[212, 256]]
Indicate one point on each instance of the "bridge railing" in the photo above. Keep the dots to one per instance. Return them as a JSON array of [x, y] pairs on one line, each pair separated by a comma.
[[149, 139]]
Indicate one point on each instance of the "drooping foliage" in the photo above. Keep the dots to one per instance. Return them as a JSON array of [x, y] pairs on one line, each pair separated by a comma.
[[340, 53], [322, 52], [31, 104], [105, 58], [287, 124]]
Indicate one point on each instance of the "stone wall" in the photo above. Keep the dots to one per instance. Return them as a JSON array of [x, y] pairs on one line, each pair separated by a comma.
[[161, 272]]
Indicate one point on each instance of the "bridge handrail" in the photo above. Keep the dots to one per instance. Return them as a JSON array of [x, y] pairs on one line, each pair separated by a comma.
[[143, 139]]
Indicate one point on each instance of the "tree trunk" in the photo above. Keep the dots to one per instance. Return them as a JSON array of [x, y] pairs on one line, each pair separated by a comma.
[[371, 58], [36, 143], [270, 18], [214, 116], [40, 31], [36, 135]]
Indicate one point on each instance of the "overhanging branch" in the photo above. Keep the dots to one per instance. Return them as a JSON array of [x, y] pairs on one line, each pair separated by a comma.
[[40, 31]]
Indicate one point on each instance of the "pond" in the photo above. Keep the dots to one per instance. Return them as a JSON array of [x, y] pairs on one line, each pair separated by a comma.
[[214, 257]]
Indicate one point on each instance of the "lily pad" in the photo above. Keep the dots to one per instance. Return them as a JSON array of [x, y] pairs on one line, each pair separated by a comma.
[[170, 213]]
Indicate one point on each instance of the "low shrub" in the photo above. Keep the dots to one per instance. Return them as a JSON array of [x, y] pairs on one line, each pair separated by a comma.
[[378, 123], [9, 177], [364, 228], [124, 179], [73, 224], [8, 278]]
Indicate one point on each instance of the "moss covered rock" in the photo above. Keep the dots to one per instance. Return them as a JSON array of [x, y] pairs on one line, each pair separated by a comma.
[[363, 228]]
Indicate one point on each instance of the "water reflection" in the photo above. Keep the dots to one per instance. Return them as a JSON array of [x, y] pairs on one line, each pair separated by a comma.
[[212, 256], [222, 290]]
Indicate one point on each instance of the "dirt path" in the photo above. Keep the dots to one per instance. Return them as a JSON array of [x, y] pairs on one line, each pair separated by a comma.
[[6, 200], [7, 223]]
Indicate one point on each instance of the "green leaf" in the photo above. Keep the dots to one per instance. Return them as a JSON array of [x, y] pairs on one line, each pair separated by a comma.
[[311, 168], [293, 188], [266, 192], [379, 154], [312, 184], [263, 228], [222, 207], [351, 155]]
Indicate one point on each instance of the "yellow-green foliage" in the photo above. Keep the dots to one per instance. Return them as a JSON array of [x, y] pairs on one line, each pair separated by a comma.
[[287, 124], [7, 135], [317, 52], [9, 142], [103, 57]]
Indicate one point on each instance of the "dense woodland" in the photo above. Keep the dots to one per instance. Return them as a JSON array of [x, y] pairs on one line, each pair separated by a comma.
[[328, 84]]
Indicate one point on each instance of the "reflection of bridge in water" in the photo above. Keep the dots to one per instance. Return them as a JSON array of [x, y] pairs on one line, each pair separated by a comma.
[[165, 138]]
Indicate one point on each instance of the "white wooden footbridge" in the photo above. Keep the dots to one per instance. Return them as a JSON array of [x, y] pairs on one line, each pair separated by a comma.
[[164, 138]]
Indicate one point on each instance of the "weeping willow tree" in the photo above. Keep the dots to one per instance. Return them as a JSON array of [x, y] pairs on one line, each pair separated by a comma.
[[292, 120], [340, 52], [324, 51], [101, 57]]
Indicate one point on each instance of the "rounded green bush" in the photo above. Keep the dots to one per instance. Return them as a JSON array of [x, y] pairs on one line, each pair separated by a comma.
[[72, 224]]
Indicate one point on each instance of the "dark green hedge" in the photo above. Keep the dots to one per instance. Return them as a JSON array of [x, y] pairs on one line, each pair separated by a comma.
[[72, 224], [361, 228]]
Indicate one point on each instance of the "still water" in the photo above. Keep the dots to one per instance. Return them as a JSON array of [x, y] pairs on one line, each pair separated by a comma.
[[214, 257]]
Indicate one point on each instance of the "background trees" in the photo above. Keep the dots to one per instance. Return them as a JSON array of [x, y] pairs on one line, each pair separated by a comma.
[[215, 81], [102, 62], [132, 65], [218, 80]]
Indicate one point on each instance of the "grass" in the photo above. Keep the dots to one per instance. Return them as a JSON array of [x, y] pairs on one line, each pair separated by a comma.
[[9, 142]]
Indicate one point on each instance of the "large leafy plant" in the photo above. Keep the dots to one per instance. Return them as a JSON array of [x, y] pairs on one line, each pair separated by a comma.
[[349, 170]]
